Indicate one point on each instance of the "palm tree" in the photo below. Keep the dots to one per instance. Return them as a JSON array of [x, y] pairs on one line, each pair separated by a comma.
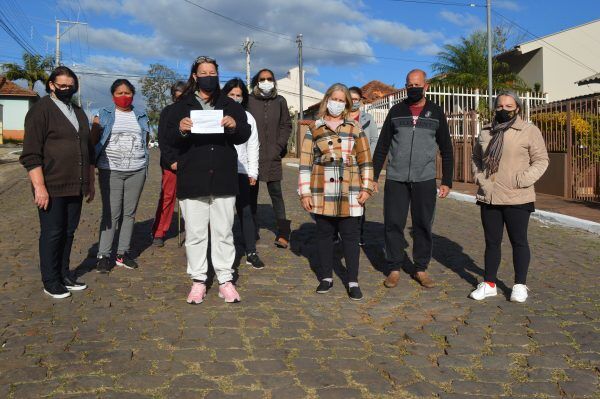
[[465, 65], [34, 68]]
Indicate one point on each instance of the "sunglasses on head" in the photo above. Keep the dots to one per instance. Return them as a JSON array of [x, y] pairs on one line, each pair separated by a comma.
[[204, 58]]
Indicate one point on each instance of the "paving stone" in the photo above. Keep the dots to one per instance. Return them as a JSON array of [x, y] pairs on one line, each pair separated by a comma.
[[477, 388], [551, 362], [288, 393], [324, 379], [192, 382], [338, 393], [373, 380], [535, 388], [265, 366], [578, 389], [422, 388]]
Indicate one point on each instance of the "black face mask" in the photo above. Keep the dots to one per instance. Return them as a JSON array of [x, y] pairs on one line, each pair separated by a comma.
[[207, 84], [504, 115], [414, 94], [64, 95]]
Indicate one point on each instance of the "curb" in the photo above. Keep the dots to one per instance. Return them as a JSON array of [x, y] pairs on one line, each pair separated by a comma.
[[545, 216]]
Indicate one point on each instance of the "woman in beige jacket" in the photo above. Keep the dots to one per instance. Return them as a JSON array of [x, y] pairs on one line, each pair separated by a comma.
[[508, 158]]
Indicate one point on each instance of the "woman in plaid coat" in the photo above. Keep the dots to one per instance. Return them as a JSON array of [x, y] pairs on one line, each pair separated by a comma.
[[336, 179]]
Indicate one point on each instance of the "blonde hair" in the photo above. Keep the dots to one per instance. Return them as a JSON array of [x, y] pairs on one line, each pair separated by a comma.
[[335, 87]]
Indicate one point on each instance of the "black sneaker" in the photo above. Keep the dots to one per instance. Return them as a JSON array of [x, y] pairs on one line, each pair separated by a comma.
[[324, 286], [126, 261], [158, 242], [73, 285], [254, 260], [355, 293], [104, 265], [361, 242], [57, 291]]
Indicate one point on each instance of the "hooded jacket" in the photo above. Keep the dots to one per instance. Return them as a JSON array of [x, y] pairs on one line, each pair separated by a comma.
[[274, 128]]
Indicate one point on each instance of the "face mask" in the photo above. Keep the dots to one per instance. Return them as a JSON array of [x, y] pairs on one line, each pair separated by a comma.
[[238, 99], [64, 95], [335, 108], [265, 86], [123, 101], [504, 115], [207, 84], [414, 94], [355, 105]]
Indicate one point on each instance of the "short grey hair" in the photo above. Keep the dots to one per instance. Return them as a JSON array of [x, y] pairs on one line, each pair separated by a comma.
[[415, 71], [509, 93]]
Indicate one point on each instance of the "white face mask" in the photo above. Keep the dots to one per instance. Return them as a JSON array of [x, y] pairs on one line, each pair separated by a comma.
[[265, 86], [355, 105], [238, 99], [335, 108]]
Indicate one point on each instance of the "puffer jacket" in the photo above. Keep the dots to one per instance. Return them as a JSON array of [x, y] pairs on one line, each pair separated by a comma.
[[524, 160]]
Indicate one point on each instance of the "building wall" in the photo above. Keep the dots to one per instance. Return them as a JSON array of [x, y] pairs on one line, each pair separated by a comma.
[[560, 73], [289, 88], [533, 71], [13, 114]]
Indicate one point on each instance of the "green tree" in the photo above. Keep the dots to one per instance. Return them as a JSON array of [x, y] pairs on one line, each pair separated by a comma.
[[34, 68], [156, 88], [465, 64]]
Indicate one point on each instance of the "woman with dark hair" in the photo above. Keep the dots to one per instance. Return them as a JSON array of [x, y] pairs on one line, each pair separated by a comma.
[[274, 124], [59, 157], [369, 127], [509, 156], [122, 134], [168, 164], [247, 173], [207, 180]]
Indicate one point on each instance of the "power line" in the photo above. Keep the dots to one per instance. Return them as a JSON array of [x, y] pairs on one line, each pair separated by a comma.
[[451, 3], [13, 33]]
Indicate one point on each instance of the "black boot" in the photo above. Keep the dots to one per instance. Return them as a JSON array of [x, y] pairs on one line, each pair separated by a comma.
[[283, 235]]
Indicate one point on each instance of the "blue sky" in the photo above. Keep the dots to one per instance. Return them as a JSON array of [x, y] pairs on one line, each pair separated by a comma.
[[125, 36]]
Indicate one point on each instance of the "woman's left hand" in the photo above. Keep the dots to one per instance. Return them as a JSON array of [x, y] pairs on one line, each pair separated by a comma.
[[228, 122], [91, 192], [363, 196]]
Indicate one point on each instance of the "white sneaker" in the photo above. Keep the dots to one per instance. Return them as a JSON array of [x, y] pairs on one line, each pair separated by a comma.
[[519, 293], [483, 291]]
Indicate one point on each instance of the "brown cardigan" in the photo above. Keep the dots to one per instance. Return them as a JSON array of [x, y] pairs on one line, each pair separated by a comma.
[[64, 153]]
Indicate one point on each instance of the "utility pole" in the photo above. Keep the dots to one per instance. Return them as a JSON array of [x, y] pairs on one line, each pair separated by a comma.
[[490, 55], [59, 34], [247, 46], [300, 75]]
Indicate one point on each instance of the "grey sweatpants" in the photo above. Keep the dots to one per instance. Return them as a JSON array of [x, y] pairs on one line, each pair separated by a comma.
[[120, 196]]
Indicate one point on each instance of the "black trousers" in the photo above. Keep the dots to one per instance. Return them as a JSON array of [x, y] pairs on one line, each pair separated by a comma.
[[57, 230], [516, 220], [276, 195], [244, 212], [349, 229], [398, 197]]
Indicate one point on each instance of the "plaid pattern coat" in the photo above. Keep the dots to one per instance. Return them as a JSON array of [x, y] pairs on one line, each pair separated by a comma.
[[335, 166]]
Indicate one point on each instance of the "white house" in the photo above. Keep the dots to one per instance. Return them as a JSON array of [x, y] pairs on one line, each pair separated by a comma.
[[289, 88], [15, 101], [557, 61]]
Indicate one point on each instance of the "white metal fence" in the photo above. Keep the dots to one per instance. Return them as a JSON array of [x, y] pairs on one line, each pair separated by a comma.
[[454, 100]]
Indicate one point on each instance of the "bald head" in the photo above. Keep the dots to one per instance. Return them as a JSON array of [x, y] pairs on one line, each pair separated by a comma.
[[416, 77]]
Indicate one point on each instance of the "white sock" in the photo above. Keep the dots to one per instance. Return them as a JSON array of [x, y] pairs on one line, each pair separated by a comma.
[[329, 280], [352, 284]]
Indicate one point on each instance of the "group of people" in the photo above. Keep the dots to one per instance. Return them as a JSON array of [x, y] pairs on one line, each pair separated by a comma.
[[215, 175]]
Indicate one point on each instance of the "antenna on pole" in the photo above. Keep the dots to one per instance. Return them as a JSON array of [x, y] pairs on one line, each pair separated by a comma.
[[490, 55], [247, 46]]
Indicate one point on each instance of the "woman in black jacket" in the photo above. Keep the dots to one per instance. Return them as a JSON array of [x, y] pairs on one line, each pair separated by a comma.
[[207, 180], [59, 156]]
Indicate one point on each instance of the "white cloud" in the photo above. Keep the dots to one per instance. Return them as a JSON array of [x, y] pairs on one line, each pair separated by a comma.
[[400, 35], [462, 19], [507, 5]]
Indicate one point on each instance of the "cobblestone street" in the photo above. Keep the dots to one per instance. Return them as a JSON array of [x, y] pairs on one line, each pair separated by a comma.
[[132, 335]]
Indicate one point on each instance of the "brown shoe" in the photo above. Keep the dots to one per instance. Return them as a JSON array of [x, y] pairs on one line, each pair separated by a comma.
[[424, 279], [392, 279], [282, 243]]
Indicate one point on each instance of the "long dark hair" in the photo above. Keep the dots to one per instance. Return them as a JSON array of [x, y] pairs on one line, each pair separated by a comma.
[[62, 71], [120, 82], [254, 81], [237, 83], [190, 86], [177, 86]]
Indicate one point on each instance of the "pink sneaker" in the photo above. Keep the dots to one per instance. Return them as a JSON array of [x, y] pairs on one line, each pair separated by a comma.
[[197, 293], [228, 292]]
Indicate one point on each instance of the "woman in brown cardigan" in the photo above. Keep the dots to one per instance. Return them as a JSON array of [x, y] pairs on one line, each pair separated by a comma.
[[508, 158], [58, 155]]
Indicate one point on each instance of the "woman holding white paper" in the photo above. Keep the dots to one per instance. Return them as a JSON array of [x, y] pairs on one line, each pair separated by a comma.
[[207, 180]]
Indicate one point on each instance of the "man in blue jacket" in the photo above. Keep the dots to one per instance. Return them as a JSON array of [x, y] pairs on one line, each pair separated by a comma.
[[413, 132]]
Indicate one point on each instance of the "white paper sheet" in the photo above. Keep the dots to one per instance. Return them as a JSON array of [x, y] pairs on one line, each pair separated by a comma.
[[207, 121]]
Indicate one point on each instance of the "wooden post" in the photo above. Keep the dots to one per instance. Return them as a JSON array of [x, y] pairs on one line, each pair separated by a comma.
[[570, 180]]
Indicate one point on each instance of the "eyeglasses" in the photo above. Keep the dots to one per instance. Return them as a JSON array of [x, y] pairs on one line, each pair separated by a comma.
[[265, 79], [62, 87], [204, 58]]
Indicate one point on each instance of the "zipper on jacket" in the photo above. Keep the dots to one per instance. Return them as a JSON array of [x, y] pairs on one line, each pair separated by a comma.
[[412, 140]]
